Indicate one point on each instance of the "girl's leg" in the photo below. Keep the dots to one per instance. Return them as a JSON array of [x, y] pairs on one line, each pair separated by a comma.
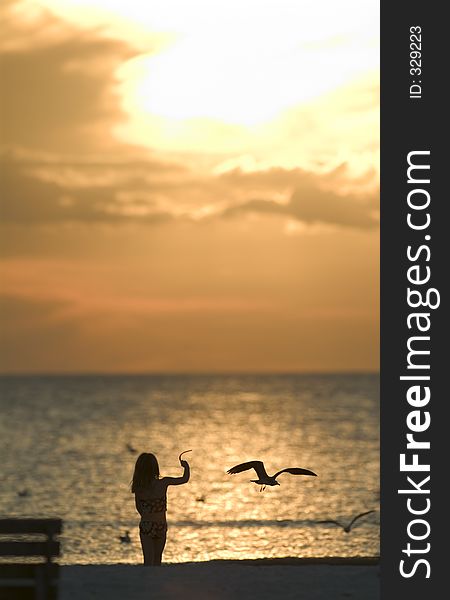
[[148, 549], [159, 544]]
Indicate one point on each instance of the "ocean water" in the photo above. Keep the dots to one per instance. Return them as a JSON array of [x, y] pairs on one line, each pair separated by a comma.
[[64, 440]]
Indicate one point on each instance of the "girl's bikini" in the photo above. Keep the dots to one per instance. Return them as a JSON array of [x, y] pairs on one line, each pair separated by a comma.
[[145, 506]]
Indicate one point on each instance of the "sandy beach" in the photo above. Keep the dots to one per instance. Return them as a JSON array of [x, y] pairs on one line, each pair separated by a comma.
[[223, 580]]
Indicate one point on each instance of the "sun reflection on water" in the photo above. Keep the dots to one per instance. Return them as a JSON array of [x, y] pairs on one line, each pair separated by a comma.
[[65, 440]]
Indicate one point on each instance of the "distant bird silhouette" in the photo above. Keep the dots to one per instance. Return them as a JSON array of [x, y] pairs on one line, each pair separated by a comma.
[[263, 478], [347, 528], [201, 499], [23, 493], [125, 539], [130, 449]]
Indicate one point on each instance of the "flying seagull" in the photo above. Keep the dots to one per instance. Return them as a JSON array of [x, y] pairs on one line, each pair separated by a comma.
[[348, 527], [263, 478]]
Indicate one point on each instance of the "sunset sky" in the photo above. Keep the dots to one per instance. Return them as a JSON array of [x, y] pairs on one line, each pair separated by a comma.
[[189, 186]]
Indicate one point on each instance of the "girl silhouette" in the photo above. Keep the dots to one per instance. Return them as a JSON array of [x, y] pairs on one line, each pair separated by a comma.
[[150, 493]]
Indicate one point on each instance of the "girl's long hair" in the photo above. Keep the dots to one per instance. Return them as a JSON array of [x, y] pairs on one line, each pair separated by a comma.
[[146, 470]]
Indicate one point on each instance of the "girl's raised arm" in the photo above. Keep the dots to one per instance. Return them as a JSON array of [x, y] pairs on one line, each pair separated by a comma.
[[179, 480]]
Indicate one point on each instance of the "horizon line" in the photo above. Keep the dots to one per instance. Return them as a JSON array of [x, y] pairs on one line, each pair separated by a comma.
[[186, 373]]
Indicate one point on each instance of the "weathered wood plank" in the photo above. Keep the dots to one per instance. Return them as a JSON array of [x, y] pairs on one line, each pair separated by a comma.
[[46, 549], [46, 526]]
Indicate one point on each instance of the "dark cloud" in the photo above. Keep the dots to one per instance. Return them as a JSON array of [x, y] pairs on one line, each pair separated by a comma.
[[282, 178], [59, 103], [31, 200], [59, 89], [313, 202], [59, 96], [124, 192]]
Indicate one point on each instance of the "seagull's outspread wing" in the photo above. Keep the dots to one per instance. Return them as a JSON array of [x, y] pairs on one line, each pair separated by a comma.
[[295, 471], [258, 465], [331, 522], [359, 516]]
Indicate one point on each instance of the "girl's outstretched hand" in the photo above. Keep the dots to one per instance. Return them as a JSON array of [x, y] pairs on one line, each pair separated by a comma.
[[183, 463]]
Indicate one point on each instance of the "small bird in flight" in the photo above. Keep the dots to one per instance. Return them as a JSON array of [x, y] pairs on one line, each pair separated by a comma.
[[263, 478], [130, 449], [347, 528]]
